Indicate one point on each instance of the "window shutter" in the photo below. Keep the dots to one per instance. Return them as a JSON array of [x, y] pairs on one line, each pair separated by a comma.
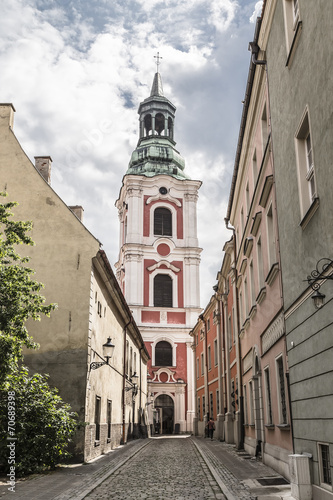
[[163, 222], [162, 291]]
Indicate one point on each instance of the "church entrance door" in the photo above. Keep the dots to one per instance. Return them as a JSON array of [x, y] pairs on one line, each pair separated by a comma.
[[165, 405]]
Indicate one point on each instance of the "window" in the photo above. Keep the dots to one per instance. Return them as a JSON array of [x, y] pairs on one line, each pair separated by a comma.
[[269, 418], [324, 464], [162, 290], [260, 264], [270, 237], [247, 193], [202, 363], [127, 356], [211, 405], [251, 395], [229, 332], [162, 222], [163, 354], [255, 167], [99, 309], [97, 418], [203, 406], [199, 409], [134, 363], [241, 308], [131, 362], [264, 129], [252, 287], [208, 324], [198, 369], [233, 325], [215, 353], [246, 300], [246, 421], [291, 20], [305, 166], [109, 417], [281, 391], [209, 358], [217, 402]]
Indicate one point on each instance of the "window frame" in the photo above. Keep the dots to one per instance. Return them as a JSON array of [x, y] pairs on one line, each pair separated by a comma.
[[323, 484], [166, 298], [282, 395], [166, 222], [158, 358]]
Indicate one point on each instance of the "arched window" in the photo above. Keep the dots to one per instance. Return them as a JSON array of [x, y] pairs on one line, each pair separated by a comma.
[[163, 354], [147, 124], [162, 290], [162, 222], [159, 123]]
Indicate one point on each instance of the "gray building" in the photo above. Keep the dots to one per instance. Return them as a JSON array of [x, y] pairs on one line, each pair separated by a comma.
[[296, 40]]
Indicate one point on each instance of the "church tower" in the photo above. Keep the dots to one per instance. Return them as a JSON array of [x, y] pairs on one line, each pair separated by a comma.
[[158, 266]]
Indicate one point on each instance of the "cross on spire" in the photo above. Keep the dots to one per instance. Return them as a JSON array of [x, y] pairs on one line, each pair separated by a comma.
[[158, 57]]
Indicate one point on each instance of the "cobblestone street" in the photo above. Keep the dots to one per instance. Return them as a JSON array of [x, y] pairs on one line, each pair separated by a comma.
[[167, 469]]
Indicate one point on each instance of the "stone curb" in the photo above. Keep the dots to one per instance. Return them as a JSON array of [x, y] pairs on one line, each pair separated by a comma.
[[215, 475], [97, 479]]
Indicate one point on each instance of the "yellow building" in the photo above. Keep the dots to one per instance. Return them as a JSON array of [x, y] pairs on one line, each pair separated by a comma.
[[91, 308]]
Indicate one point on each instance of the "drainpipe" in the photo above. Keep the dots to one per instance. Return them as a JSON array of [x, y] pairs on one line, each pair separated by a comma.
[[239, 360], [254, 48], [124, 378], [206, 367]]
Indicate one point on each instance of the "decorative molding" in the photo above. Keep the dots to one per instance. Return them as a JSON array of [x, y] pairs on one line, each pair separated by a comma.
[[191, 197], [247, 362], [163, 263], [246, 323], [266, 190], [273, 333], [253, 311], [169, 373], [272, 274], [243, 266], [167, 197], [310, 213], [256, 223], [248, 245], [261, 295]]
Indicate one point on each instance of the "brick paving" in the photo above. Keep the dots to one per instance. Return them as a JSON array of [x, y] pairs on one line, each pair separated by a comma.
[[167, 469]]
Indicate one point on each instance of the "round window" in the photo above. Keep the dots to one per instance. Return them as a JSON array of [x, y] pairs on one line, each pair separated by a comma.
[[163, 190]]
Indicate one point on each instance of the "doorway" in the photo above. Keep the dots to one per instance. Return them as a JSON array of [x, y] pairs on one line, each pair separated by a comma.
[[165, 407]]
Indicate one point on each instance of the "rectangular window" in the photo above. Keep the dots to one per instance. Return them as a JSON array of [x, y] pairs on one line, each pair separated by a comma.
[[208, 325], [131, 362], [202, 363], [203, 407], [270, 237], [246, 421], [260, 264], [264, 129], [251, 401], [324, 464], [199, 410], [127, 356], [233, 325], [246, 300], [229, 332], [97, 418], [291, 20], [254, 168], [269, 417], [109, 417], [217, 401], [281, 391], [252, 286], [209, 358], [198, 372], [215, 353], [211, 405], [241, 316], [305, 165]]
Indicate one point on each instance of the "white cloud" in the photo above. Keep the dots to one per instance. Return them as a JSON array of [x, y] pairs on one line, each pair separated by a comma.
[[77, 72], [257, 11]]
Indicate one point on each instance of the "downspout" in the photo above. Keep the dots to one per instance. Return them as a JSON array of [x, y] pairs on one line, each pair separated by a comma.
[[124, 378], [239, 360], [206, 367], [224, 364]]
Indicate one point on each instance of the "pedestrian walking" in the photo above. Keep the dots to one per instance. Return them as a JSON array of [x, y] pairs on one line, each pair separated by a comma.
[[211, 428]]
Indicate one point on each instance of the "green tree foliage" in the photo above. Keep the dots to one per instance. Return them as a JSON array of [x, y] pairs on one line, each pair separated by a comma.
[[19, 293], [44, 424]]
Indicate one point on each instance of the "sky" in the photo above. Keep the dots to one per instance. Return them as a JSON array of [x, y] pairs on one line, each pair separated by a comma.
[[76, 72]]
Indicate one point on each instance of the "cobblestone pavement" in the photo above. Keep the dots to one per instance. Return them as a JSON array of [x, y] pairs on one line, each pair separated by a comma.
[[167, 469]]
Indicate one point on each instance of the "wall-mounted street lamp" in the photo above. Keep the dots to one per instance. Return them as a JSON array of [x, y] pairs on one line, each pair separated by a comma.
[[320, 273], [134, 386], [108, 349]]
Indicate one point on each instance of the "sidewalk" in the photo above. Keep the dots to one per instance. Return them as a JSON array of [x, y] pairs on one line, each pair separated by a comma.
[[73, 482], [239, 475]]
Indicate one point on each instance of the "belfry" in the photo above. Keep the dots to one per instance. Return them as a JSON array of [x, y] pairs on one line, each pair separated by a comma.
[[158, 265]]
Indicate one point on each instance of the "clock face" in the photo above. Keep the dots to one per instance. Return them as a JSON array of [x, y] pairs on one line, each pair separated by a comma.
[[163, 190]]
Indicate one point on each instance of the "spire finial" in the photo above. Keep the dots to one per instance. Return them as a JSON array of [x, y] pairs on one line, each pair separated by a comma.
[[158, 57]]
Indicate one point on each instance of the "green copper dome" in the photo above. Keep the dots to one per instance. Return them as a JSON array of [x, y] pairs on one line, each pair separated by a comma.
[[156, 153]]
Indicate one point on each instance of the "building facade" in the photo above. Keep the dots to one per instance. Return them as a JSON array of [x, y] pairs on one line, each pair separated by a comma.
[[158, 266], [77, 276], [297, 39]]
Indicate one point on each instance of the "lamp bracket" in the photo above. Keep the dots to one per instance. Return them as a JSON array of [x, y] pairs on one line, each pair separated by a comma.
[[320, 273], [94, 365]]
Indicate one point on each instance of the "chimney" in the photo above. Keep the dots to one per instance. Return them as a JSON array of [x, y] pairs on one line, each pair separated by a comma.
[[7, 111], [43, 165], [78, 211]]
